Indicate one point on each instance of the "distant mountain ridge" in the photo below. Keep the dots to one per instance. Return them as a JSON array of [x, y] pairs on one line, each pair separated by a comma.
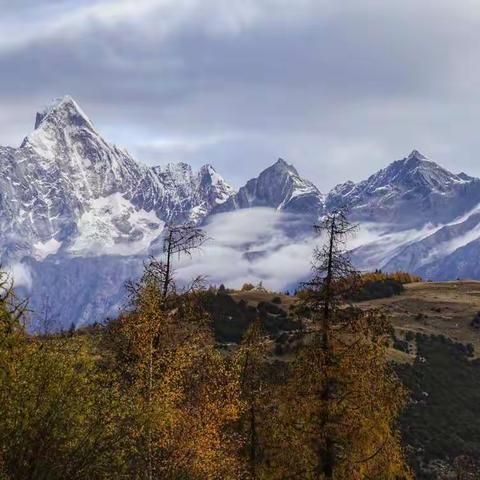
[[411, 185], [78, 213], [54, 182]]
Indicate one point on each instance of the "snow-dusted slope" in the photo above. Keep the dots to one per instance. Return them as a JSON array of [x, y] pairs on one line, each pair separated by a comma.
[[409, 193], [60, 169], [415, 215], [192, 195], [280, 187], [78, 215], [59, 184]]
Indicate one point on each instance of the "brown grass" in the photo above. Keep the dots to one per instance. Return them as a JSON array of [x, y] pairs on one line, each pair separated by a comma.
[[432, 308], [443, 308]]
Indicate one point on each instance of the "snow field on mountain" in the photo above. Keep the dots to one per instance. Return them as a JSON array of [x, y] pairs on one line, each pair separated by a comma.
[[113, 226]]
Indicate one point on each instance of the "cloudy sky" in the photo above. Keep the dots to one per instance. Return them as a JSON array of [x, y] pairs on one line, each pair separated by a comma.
[[338, 88]]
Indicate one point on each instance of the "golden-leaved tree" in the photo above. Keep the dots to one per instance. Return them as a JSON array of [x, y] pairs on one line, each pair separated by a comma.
[[338, 410], [60, 415], [184, 392], [251, 359]]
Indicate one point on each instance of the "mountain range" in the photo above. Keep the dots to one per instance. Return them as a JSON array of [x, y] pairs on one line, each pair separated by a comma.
[[78, 216]]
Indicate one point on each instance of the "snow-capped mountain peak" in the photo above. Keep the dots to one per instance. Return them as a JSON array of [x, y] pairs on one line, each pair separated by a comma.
[[416, 155], [278, 186], [412, 191], [281, 164], [65, 111], [214, 185], [53, 185], [208, 171], [416, 172], [192, 194]]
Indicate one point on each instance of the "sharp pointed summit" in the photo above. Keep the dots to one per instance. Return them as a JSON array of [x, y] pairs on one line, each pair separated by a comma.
[[281, 163], [415, 154], [409, 192], [416, 171], [63, 110], [278, 186]]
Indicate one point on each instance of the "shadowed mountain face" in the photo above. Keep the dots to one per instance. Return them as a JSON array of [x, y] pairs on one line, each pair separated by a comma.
[[80, 215], [408, 193], [280, 187]]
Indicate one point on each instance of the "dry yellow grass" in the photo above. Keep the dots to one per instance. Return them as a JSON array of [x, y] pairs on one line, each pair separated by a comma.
[[443, 308], [432, 308], [254, 297]]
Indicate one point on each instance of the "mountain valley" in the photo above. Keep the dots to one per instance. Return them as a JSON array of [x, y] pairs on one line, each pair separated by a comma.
[[72, 204]]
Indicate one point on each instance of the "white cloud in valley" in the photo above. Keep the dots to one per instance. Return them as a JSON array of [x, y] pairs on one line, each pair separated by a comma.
[[261, 244], [252, 245]]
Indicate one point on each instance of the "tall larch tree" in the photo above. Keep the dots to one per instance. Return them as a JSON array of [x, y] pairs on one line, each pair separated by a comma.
[[339, 407], [186, 394], [251, 359]]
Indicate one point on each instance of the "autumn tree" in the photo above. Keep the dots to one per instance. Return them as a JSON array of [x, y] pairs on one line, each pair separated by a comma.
[[332, 272], [61, 416], [251, 359], [378, 275], [339, 407], [186, 393]]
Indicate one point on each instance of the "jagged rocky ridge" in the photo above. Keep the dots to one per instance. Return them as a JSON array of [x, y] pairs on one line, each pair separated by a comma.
[[78, 216], [66, 189], [408, 193], [281, 187]]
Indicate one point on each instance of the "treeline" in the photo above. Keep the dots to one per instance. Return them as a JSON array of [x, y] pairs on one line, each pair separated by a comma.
[[378, 275], [151, 396], [378, 284], [358, 287]]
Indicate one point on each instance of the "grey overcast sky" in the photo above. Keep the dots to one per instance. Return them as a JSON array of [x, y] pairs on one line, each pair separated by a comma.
[[339, 88]]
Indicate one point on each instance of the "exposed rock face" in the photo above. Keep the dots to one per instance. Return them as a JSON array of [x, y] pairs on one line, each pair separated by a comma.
[[191, 195], [409, 193], [280, 187], [62, 171]]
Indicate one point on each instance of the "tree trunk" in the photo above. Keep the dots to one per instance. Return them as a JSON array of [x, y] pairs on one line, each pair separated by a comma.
[[166, 282], [253, 442], [326, 458]]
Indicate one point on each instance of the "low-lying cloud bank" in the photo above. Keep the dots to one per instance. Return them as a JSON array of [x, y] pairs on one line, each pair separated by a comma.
[[253, 245], [259, 245], [276, 248]]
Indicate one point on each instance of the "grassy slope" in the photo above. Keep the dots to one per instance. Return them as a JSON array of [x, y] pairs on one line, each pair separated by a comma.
[[442, 420], [445, 308]]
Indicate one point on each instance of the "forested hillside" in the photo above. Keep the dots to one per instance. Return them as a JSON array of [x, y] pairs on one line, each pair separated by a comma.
[[199, 382], [152, 394]]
